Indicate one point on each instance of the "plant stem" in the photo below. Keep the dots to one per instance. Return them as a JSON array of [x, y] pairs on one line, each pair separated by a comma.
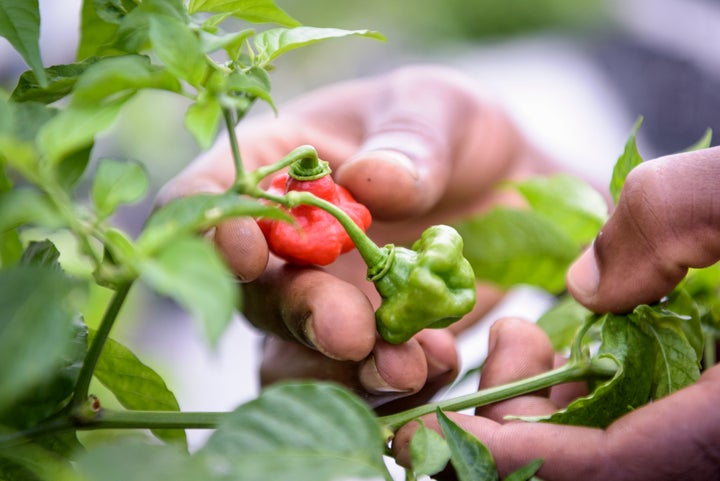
[[111, 419], [572, 371], [93, 355], [299, 153], [235, 148], [371, 253]]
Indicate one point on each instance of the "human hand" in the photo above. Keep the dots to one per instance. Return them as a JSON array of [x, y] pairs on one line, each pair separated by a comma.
[[667, 219], [418, 147]]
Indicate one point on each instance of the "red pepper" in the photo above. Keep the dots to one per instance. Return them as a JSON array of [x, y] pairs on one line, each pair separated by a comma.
[[316, 237]]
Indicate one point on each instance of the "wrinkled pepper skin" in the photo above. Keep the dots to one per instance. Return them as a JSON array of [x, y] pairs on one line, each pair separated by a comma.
[[430, 286], [316, 237]]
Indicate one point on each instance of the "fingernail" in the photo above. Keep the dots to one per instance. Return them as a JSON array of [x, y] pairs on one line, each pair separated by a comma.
[[583, 277], [373, 382], [390, 156]]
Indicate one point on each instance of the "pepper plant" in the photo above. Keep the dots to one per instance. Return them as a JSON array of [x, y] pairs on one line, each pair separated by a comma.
[[301, 430]]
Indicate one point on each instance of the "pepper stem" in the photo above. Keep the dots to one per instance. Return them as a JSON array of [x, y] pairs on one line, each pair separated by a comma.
[[374, 256]]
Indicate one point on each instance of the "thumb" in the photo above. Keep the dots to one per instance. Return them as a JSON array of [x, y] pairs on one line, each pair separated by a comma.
[[667, 220]]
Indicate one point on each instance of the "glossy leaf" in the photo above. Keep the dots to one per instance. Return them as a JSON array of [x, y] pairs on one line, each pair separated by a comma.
[[177, 46], [20, 25], [429, 452], [573, 205], [562, 321], [300, 431], [625, 343], [629, 159], [60, 81], [258, 11], [189, 271], [509, 247], [196, 213], [116, 183], [136, 386], [471, 459], [274, 42], [35, 328], [203, 121]]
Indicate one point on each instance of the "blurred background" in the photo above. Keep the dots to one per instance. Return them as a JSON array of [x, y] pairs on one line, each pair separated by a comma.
[[575, 75]]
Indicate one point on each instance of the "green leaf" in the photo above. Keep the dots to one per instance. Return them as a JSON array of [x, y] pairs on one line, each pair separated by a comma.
[[258, 11], [119, 77], [300, 431], [677, 363], [117, 182], [627, 345], [196, 213], [136, 386], [41, 254], [60, 82], [429, 453], [25, 206], [231, 42], [629, 159], [572, 204], [274, 42], [562, 321], [20, 25], [133, 34], [96, 34], [124, 461], [703, 143], [31, 461], [75, 128], [510, 247], [471, 459], [178, 47], [189, 271], [248, 85], [526, 472], [203, 121], [36, 331]]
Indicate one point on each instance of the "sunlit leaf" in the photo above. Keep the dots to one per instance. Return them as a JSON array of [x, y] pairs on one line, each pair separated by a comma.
[[471, 459], [274, 42], [259, 11], [97, 34], [76, 128], [509, 247], [117, 182], [300, 431], [203, 121], [429, 452], [629, 159], [573, 205], [178, 48], [562, 321], [526, 472], [20, 25], [136, 386], [110, 78], [189, 271]]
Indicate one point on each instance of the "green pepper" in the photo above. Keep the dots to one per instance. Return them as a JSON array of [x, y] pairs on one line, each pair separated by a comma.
[[430, 286]]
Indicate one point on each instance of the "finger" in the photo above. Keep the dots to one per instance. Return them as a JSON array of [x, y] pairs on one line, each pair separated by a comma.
[[667, 220], [442, 366], [517, 349], [413, 128], [313, 307]]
